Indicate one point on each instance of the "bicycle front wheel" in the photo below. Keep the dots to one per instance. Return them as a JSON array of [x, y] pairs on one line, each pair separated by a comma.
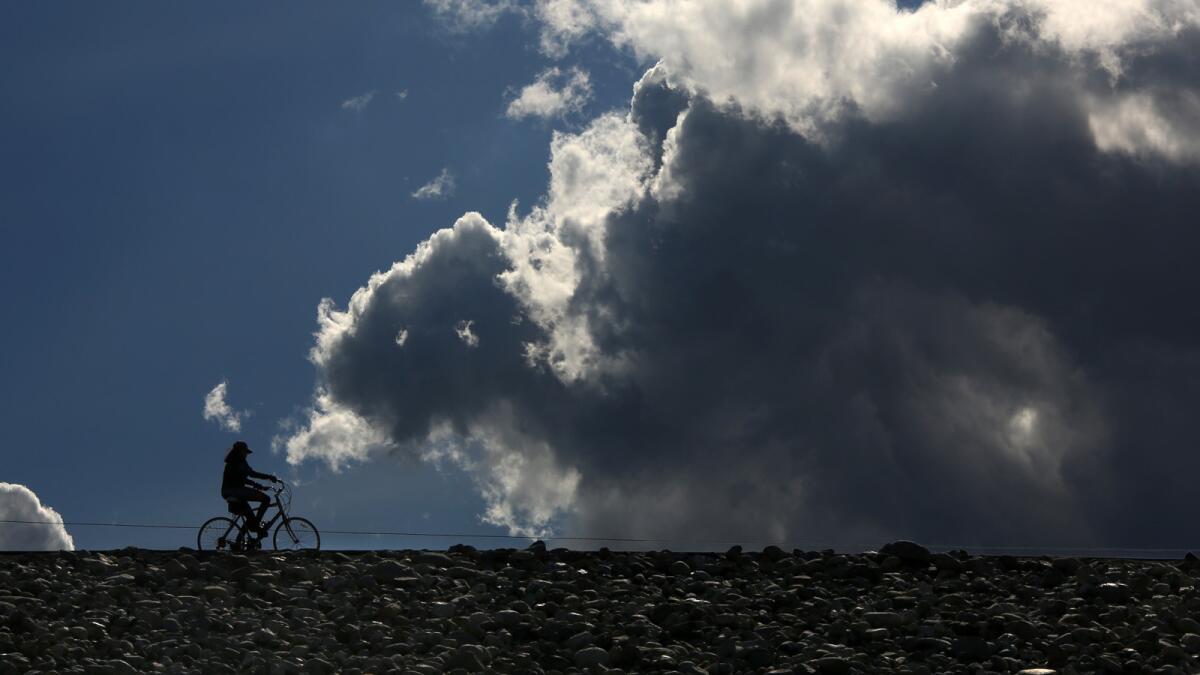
[[295, 534], [217, 534]]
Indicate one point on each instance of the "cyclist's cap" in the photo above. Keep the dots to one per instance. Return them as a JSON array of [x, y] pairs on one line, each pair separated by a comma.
[[241, 445]]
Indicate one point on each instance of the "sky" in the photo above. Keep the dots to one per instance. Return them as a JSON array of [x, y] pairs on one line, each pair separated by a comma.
[[818, 272]]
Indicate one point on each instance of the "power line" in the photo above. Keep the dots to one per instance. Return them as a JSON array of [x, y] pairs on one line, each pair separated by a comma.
[[634, 540], [83, 524]]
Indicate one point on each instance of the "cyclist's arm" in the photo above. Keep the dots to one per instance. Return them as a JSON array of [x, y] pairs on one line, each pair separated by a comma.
[[255, 474]]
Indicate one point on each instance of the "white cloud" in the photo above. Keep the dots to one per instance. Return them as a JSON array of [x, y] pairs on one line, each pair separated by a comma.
[[402, 94], [440, 187], [18, 502], [808, 61], [555, 93], [1136, 124], [463, 16], [463, 330], [358, 103], [217, 409], [594, 173], [334, 434]]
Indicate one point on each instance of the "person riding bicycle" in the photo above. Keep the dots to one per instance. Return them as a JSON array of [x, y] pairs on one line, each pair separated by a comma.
[[238, 489]]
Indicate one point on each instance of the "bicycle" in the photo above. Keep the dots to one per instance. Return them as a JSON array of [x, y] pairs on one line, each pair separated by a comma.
[[293, 533]]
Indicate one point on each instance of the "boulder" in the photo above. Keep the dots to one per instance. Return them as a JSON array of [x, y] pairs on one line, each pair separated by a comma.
[[909, 552]]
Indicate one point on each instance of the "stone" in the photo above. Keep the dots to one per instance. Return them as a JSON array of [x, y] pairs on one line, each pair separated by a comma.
[[389, 570], [883, 619], [580, 640], [1114, 592], [318, 666], [466, 657], [591, 656], [907, 551], [121, 667], [831, 664], [1190, 643], [433, 558], [473, 611], [442, 610]]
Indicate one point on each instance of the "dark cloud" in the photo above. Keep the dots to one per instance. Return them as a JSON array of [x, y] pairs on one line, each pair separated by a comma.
[[968, 321]]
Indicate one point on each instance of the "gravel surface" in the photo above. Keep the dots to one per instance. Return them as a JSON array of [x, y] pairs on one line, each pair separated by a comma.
[[521, 611]]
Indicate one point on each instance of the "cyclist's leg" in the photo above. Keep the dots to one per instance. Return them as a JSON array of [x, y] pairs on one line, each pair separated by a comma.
[[264, 504], [248, 494]]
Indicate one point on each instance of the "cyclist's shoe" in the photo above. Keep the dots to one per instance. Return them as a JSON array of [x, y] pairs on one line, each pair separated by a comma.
[[263, 531]]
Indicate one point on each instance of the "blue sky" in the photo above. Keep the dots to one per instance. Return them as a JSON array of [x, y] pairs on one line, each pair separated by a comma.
[[182, 185], [830, 273]]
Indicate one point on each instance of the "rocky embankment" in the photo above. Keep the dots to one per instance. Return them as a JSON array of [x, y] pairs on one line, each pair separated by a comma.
[[522, 611]]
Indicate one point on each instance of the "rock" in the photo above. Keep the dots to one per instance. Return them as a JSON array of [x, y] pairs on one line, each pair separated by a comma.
[[1190, 643], [928, 643], [1113, 592], [945, 562], [528, 611], [175, 569], [442, 610], [433, 558], [120, 667], [336, 584], [759, 657], [591, 656], [830, 664], [318, 666], [883, 619], [1037, 671], [907, 551], [389, 570], [1067, 566], [970, 648], [467, 657], [118, 580], [580, 640]]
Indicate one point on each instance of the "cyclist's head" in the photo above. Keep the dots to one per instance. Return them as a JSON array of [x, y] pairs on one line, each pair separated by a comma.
[[239, 449]]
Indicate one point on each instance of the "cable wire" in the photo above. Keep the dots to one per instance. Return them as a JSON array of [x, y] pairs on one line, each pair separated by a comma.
[[637, 540]]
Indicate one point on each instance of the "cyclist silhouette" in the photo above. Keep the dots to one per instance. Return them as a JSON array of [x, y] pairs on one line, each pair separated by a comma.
[[238, 489]]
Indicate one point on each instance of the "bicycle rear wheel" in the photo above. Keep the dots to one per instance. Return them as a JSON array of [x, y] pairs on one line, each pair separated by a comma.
[[295, 534], [218, 534]]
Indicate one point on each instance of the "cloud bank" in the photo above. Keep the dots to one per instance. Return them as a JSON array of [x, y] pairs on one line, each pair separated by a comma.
[[555, 93], [937, 285], [18, 502], [217, 409]]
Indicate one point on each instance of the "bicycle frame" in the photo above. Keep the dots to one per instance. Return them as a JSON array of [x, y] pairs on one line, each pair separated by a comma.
[[240, 519]]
